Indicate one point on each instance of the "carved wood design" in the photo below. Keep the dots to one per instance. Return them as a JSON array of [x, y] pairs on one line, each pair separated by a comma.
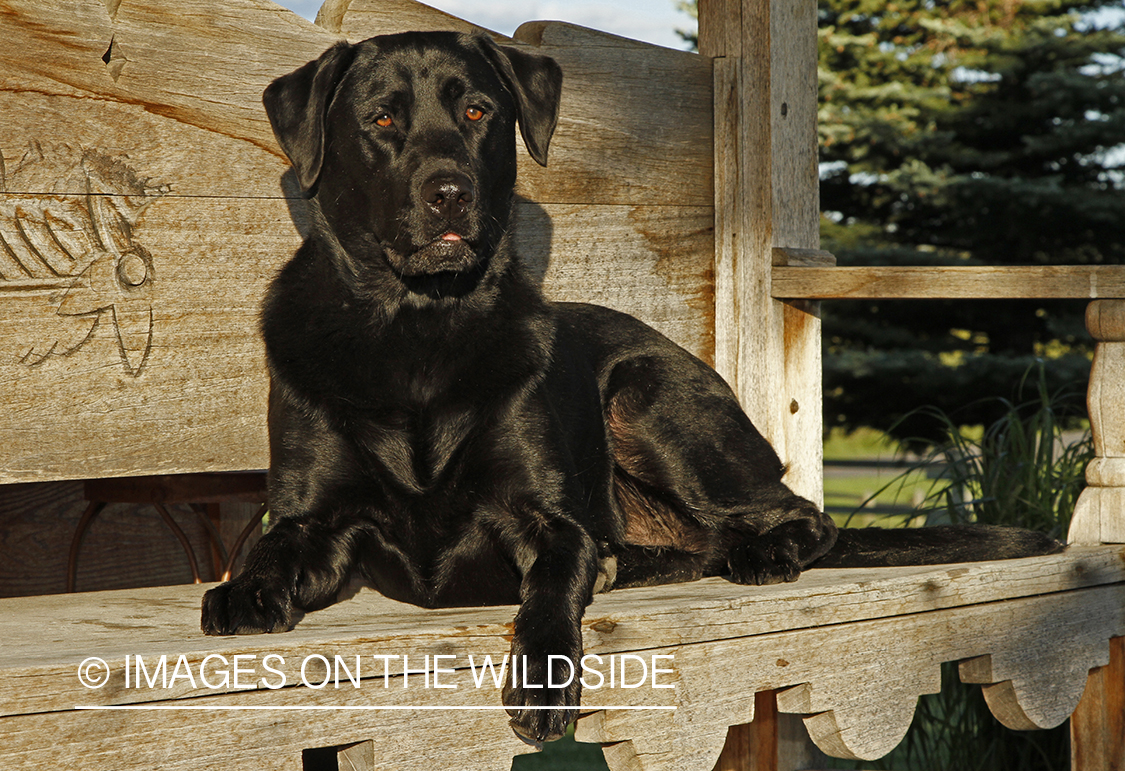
[[81, 252]]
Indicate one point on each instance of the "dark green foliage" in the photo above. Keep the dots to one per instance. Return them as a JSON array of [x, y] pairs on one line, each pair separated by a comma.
[[955, 132], [869, 386], [961, 133], [1022, 469]]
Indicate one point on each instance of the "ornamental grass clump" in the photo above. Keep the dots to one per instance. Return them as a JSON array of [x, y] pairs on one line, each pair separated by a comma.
[[1026, 469]]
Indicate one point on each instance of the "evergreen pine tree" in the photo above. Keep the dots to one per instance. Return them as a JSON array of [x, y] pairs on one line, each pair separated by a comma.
[[965, 133]]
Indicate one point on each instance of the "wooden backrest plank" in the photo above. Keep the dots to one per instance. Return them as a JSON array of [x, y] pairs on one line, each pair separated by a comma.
[[144, 206]]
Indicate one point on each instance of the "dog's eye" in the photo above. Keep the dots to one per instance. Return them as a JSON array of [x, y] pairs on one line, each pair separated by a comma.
[[474, 113], [384, 120]]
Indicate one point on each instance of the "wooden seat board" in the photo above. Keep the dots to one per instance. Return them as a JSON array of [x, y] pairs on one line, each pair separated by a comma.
[[46, 638]]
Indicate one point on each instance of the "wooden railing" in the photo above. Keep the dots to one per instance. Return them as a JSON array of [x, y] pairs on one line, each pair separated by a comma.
[[1100, 514]]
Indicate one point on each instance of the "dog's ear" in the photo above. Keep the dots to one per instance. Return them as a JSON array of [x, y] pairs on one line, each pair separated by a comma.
[[536, 83], [296, 105]]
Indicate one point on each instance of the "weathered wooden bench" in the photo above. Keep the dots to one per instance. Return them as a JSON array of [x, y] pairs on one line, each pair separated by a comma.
[[143, 207]]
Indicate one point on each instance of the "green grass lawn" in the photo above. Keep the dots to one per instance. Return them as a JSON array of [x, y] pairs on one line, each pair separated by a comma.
[[881, 484]]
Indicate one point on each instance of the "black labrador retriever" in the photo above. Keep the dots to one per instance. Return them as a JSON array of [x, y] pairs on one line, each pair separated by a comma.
[[443, 433]]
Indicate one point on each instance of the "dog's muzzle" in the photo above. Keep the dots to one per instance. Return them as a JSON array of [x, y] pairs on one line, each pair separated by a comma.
[[449, 253]]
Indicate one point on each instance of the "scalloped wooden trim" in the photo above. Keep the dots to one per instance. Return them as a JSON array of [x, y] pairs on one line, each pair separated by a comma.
[[857, 684]]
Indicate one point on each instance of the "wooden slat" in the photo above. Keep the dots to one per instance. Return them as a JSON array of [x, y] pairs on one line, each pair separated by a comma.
[[653, 262], [165, 378], [205, 64], [269, 740], [360, 19], [861, 703], [748, 323], [765, 198], [46, 637], [195, 370], [874, 621], [861, 706], [635, 124], [787, 256], [955, 283]]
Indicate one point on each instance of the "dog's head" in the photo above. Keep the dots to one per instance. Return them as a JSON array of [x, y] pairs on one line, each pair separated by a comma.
[[407, 143]]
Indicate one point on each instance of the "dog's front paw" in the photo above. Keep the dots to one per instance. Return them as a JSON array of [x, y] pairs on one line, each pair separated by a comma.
[[764, 560], [544, 699], [247, 607]]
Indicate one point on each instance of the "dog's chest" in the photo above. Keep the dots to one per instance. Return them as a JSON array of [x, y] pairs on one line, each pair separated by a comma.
[[412, 445], [438, 550]]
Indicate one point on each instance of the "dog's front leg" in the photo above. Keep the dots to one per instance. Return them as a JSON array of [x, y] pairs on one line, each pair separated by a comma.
[[559, 565], [300, 565]]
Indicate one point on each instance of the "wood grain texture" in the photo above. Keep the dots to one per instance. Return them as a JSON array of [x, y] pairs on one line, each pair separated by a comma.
[[144, 207], [796, 225], [1097, 728], [727, 205], [204, 65], [635, 123], [957, 283], [727, 642], [863, 703], [265, 740], [766, 197], [802, 258], [748, 323], [360, 19], [42, 633], [655, 263]]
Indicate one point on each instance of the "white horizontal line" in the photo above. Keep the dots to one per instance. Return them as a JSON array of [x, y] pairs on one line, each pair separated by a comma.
[[197, 708]]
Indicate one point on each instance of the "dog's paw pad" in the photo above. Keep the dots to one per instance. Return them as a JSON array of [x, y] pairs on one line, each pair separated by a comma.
[[239, 607]]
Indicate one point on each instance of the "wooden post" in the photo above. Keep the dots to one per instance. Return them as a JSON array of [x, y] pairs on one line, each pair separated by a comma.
[[773, 741], [1097, 727], [753, 746], [1099, 516], [766, 196]]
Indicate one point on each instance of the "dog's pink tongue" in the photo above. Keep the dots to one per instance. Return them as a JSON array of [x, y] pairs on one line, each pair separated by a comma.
[[451, 237]]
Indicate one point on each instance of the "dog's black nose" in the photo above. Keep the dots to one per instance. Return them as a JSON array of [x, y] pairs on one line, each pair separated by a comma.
[[448, 195]]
